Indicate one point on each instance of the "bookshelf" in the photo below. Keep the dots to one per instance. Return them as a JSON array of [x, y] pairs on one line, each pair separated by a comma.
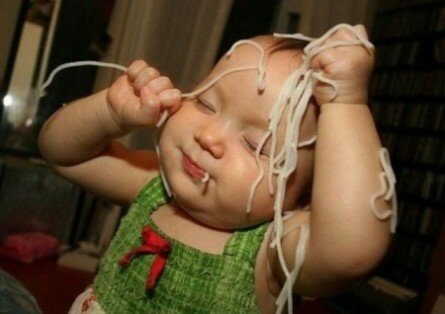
[[408, 104]]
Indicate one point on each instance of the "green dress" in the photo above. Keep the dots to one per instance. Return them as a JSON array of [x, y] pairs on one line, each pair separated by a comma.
[[191, 282]]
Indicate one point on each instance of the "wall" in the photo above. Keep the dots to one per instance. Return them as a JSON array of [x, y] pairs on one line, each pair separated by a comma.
[[178, 37], [318, 16], [9, 11]]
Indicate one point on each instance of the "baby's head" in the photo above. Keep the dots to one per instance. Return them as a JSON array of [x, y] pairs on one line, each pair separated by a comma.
[[217, 132]]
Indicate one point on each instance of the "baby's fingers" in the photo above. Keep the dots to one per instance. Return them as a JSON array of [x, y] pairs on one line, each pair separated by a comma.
[[145, 76], [170, 100], [135, 68], [151, 107], [160, 84]]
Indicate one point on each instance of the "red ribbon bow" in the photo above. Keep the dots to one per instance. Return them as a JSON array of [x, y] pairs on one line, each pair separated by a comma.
[[153, 244]]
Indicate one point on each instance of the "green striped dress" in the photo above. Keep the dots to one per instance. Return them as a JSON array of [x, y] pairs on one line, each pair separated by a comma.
[[191, 282]]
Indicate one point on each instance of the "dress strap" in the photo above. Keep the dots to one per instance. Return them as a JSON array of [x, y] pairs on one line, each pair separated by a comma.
[[245, 243], [152, 195]]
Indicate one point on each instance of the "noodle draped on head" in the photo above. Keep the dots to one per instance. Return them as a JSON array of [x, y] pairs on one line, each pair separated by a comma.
[[293, 100]]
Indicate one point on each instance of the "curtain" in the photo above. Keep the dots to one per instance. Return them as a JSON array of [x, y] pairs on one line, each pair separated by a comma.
[[180, 38]]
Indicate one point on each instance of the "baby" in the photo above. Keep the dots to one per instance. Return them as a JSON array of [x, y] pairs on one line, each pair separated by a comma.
[[197, 237]]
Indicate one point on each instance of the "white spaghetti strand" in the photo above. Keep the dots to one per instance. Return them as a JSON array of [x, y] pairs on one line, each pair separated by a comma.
[[253, 188], [307, 142], [63, 66], [318, 76], [78, 64], [162, 119], [300, 252], [278, 234], [206, 178], [298, 36], [387, 182], [319, 42], [216, 79], [275, 117], [163, 178], [260, 171], [261, 67]]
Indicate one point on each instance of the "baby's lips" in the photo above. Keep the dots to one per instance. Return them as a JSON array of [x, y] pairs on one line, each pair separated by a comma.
[[192, 168]]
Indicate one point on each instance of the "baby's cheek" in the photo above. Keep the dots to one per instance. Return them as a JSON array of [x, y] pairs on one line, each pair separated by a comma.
[[241, 170], [243, 180], [235, 178]]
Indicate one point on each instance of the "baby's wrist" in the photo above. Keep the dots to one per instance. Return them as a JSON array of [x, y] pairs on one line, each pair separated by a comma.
[[348, 98], [109, 122], [335, 106], [351, 100]]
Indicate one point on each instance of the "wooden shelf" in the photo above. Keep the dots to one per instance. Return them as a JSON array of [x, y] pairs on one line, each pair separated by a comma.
[[419, 165], [420, 200], [411, 131], [415, 29], [437, 275], [409, 99], [413, 67], [416, 6], [417, 37]]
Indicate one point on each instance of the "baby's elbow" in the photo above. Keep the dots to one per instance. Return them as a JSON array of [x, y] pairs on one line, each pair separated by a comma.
[[44, 150], [343, 276], [362, 266], [363, 261], [45, 147]]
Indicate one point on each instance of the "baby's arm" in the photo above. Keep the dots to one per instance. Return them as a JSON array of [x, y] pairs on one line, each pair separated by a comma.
[[79, 139], [346, 240]]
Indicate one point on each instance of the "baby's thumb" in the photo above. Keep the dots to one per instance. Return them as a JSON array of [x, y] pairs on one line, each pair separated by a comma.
[[171, 100]]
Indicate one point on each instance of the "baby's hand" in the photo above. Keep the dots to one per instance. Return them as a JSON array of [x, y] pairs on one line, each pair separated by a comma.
[[137, 99], [349, 66]]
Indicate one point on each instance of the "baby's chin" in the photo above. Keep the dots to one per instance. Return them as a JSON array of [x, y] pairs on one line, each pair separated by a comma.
[[208, 218], [222, 223]]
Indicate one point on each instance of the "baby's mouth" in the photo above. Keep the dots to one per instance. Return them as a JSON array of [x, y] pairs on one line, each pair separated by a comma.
[[193, 169]]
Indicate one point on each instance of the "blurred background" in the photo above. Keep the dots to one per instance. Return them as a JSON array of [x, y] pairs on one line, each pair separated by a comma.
[[184, 39]]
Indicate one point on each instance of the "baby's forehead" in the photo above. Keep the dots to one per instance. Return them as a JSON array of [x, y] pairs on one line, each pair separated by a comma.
[[279, 63]]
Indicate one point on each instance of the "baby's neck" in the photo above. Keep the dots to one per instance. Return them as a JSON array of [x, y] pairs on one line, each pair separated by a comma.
[[177, 224]]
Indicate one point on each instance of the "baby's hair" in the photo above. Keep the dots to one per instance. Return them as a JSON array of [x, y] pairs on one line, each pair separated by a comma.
[[280, 44]]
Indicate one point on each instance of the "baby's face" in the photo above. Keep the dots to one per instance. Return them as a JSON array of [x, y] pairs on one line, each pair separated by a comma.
[[217, 133]]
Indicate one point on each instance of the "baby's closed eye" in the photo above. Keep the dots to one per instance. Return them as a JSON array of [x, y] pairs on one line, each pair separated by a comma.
[[204, 106], [252, 146]]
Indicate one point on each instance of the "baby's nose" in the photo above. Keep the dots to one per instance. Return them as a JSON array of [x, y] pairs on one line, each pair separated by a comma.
[[211, 139]]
